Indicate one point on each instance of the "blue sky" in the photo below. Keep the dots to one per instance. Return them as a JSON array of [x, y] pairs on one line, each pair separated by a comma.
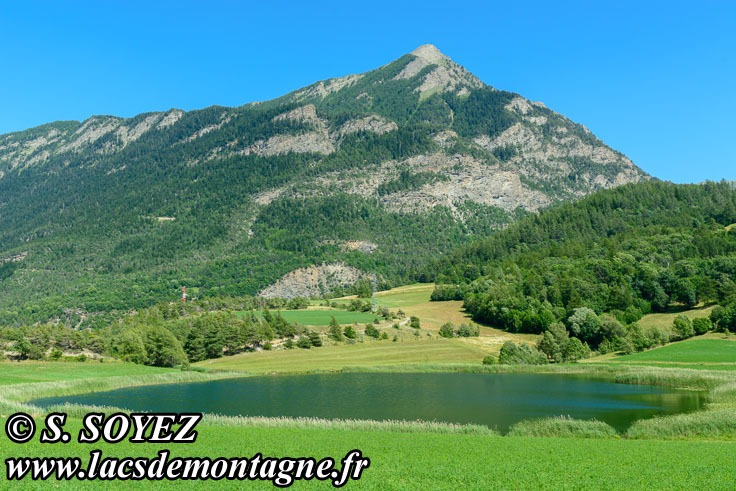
[[655, 80]]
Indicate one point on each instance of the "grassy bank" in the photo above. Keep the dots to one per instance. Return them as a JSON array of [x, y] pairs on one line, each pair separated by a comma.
[[338, 357], [14, 396], [438, 461]]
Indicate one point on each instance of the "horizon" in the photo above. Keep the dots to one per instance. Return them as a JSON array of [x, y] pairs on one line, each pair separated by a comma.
[[626, 90]]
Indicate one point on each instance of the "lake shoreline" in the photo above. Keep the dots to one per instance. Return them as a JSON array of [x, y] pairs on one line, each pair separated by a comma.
[[721, 388]]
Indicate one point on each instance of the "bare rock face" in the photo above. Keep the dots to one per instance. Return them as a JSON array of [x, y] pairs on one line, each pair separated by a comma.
[[374, 123], [313, 281], [448, 76]]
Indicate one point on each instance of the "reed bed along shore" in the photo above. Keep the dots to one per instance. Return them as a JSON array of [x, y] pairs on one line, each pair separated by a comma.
[[716, 421], [563, 426], [15, 397]]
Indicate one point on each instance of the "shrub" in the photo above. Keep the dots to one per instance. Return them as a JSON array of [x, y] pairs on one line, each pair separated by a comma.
[[267, 346], [521, 354], [384, 335], [702, 325], [304, 342], [414, 322], [371, 331], [657, 335], [349, 332], [683, 327], [467, 331], [314, 338], [447, 330], [489, 360], [81, 358], [289, 344], [56, 354], [335, 333]]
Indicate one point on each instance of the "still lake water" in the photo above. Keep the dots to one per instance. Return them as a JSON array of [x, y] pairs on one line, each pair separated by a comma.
[[495, 400]]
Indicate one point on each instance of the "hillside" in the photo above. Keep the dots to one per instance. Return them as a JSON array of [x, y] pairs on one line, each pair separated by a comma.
[[593, 268], [379, 171]]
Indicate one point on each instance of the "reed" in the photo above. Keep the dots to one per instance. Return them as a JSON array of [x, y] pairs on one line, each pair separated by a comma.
[[14, 398], [396, 426], [563, 426]]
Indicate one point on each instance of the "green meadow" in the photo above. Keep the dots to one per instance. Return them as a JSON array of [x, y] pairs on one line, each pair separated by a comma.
[[435, 461], [707, 351], [337, 357]]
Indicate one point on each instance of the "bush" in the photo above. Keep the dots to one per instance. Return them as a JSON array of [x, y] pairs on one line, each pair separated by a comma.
[[384, 335], [56, 354], [335, 333], [349, 332], [657, 335], [267, 346], [370, 330], [414, 322], [289, 344], [447, 330], [683, 327], [304, 342], [81, 358], [467, 331], [489, 360], [521, 354], [702, 325], [314, 338]]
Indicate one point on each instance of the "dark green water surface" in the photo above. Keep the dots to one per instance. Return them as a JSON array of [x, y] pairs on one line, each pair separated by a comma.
[[495, 400]]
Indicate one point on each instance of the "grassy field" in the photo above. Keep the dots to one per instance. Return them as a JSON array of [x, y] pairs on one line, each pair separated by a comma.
[[33, 371], [410, 458], [337, 357], [433, 461], [702, 351], [322, 317], [666, 320]]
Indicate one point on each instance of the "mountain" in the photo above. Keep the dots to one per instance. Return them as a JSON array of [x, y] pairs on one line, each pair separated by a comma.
[[380, 171]]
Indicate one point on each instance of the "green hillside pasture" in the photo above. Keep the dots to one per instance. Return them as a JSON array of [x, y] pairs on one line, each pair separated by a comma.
[[701, 351], [315, 317], [666, 320], [337, 357], [430, 461]]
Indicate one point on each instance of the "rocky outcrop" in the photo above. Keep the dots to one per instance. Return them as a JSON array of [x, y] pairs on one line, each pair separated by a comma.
[[373, 123], [446, 76], [313, 281]]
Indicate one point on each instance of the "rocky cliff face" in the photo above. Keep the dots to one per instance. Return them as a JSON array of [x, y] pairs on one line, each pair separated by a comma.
[[313, 281]]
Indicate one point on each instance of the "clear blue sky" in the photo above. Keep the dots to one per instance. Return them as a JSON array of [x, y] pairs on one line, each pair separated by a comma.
[[655, 80]]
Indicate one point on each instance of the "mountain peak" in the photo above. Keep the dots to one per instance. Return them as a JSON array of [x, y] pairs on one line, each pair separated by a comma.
[[430, 54]]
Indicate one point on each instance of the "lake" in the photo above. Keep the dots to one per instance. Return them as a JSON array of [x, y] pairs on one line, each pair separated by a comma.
[[495, 400]]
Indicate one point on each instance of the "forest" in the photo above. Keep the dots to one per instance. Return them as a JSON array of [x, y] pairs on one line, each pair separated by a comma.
[[590, 270]]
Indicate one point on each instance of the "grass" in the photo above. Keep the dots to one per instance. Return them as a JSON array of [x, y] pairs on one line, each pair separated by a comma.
[[13, 396], [432, 461], [563, 427], [322, 317], [338, 357], [409, 455], [665, 320], [709, 351], [34, 371]]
